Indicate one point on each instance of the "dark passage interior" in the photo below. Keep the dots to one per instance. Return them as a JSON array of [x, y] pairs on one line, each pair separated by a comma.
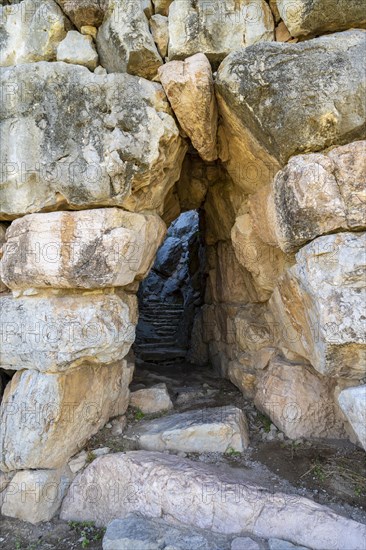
[[171, 295]]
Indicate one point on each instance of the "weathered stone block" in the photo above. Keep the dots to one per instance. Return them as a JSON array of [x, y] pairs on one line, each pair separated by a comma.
[[88, 249], [84, 12], [78, 49], [52, 332], [78, 139], [353, 403], [47, 418]]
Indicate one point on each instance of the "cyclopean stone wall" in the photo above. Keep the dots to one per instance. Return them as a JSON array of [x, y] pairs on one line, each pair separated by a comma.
[[94, 165]]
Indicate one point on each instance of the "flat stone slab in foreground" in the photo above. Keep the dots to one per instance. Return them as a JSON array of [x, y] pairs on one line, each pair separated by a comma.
[[159, 485], [217, 429]]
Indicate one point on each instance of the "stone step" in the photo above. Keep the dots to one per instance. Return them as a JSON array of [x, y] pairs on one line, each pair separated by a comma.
[[162, 354], [208, 430], [197, 494]]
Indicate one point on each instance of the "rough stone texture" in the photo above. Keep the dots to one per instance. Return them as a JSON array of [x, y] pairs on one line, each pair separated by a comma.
[[265, 263], [162, 6], [160, 32], [216, 429], [313, 17], [318, 305], [137, 533], [88, 249], [244, 543], [47, 418], [151, 400], [217, 28], [194, 181], [353, 403], [190, 90], [54, 332], [31, 31], [3, 229], [84, 12], [36, 495], [259, 90], [125, 43], [278, 544], [125, 148], [161, 485], [298, 401], [78, 49], [313, 195]]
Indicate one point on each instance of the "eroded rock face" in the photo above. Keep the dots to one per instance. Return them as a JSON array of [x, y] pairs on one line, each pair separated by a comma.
[[318, 305], [190, 90], [215, 28], [31, 31], [298, 401], [260, 88], [353, 403], [36, 495], [125, 43], [54, 332], [218, 429], [78, 139], [195, 498], [84, 12], [309, 17], [89, 249], [66, 410], [313, 195]]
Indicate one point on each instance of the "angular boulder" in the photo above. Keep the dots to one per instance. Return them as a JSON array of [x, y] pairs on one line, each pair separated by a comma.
[[313, 195], [218, 429], [89, 249], [36, 495], [159, 485], [53, 332], [84, 12], [353, 404], [160, 32], [313, 17], [318, 305], [162, 6], [260, 88], [216, 28], [151, 400], [125, 148], [125, 43], [31, 31], [298, 401], [190, 90], [78, 49], [47, 418]]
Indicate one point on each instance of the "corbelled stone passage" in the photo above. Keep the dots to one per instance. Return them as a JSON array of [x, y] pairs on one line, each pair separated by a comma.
[[182, 274]]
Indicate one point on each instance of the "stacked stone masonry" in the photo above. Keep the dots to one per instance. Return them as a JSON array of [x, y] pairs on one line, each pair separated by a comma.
[[117, 116]]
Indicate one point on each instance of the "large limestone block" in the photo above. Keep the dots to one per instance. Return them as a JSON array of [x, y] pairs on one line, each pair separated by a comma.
[[36, 495], [298, 401], [31, 31], [260, 88], [152, 400], [190, 90], [54, 332], [265, 263], [162, 6], [125, 43], [353, 403], [217, 28], [88, 249], [160, 32], [313, 195], [221, 206], [84, 12], [202, 496], [310, 17], [216, 429], [47, 418], [319, 305], [78, 49], [71, 138]]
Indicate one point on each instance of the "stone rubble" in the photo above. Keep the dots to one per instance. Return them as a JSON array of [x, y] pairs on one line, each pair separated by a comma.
[[151, 400]]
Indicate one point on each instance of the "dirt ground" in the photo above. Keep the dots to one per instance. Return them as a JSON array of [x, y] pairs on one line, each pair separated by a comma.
[[331, 473]]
